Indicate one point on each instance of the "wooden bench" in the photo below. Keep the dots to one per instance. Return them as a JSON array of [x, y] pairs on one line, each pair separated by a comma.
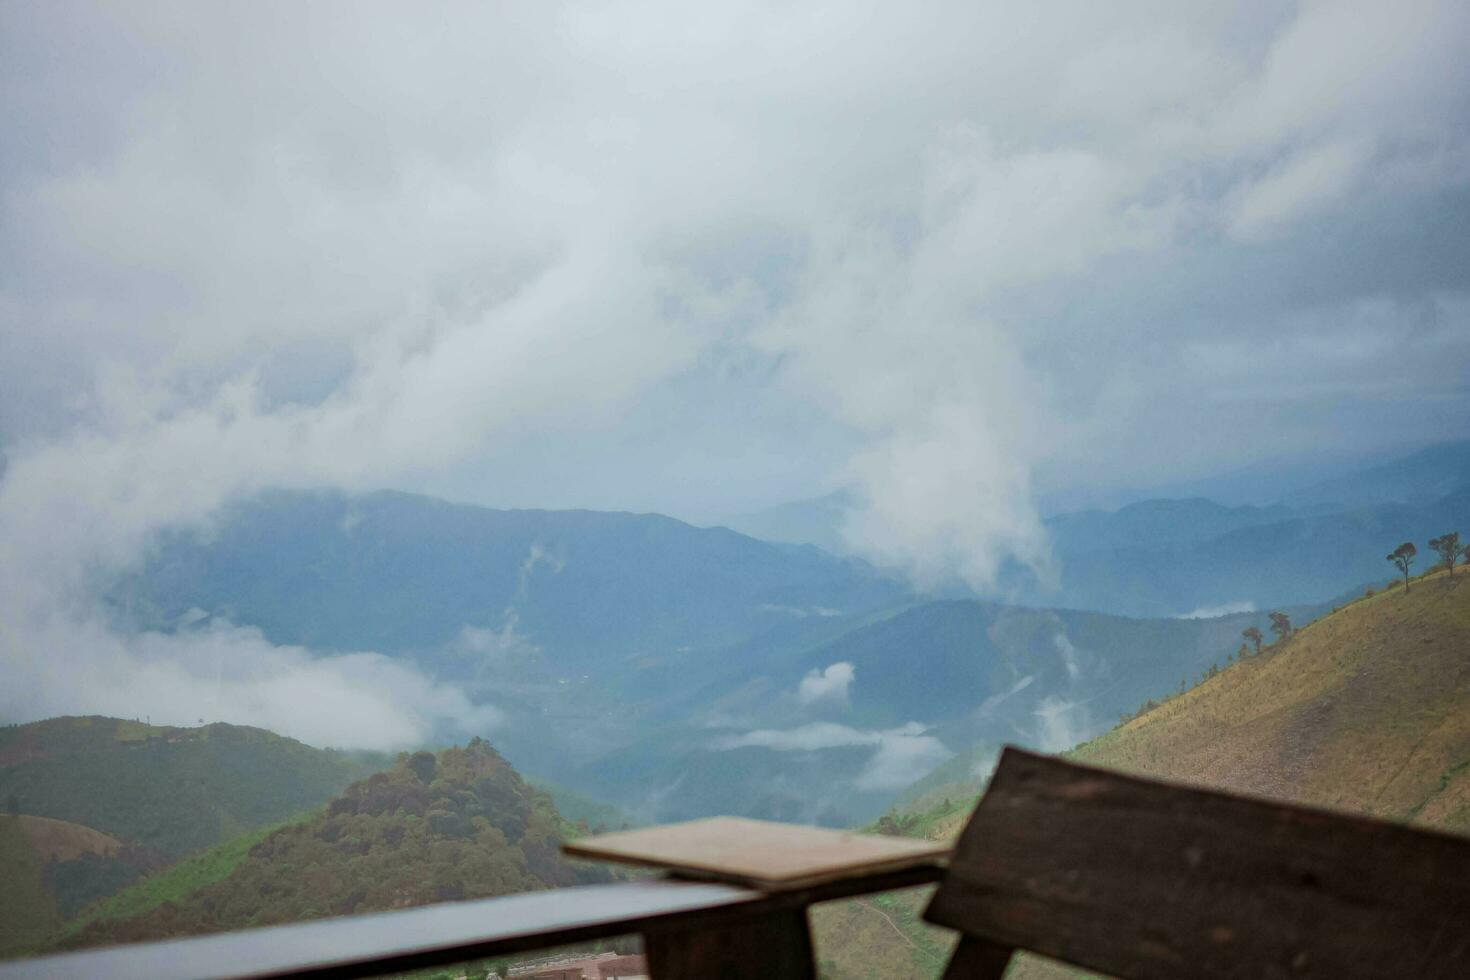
[[1139, 879], [1146, 880]]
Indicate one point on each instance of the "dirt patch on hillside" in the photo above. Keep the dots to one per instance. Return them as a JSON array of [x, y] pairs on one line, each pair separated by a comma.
[[60, 840]]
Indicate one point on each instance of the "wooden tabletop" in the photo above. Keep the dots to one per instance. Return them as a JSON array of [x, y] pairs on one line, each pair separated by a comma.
[[758, 853]]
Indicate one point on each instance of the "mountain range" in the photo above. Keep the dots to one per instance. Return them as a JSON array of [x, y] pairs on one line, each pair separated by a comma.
[[677, 671], [1300, 541], [671, 670]]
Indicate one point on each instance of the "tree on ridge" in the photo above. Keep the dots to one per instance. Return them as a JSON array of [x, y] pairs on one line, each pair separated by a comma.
[[1255, 636], [1448, 546], [1280, 625], [1403, 557]]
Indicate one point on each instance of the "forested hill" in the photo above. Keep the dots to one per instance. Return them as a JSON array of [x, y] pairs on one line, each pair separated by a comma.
[[459, 825], [171, 790]]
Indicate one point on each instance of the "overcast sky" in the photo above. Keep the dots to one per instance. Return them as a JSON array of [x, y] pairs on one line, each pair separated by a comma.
[[704, 258]]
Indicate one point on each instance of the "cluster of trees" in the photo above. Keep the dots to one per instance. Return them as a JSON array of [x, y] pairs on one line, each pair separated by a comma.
[[1447, 546], [1280, 625]]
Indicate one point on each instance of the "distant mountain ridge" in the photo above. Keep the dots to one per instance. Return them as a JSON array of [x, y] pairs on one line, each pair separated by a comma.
[[400, 573], [1421, 477], [1260, 556], [1170, 556]]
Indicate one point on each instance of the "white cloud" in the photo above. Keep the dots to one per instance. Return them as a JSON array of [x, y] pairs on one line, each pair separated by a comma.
[[901, 755], [830, 684], [1223, 609], [1060, 724], [901, 760], [220, 672], [1307, 181], [489, 242]]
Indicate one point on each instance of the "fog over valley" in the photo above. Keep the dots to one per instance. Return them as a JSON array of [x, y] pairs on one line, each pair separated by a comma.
[[743, 408]]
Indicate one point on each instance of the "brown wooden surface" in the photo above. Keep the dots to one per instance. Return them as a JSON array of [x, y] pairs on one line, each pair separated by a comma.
[[774, 944], [1150, 881], [978, 959], [757, 853]]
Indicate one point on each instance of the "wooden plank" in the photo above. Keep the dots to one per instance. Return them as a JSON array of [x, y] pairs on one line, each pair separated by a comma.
[[758, 853], [978, 959], [1151, 881], [435, 935], [776, 943]]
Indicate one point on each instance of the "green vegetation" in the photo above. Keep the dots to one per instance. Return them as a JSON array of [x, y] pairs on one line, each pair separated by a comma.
[[458, 825], [178, 881], [171, 790]]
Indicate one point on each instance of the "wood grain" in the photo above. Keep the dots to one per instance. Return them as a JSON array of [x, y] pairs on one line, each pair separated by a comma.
[[773, 943], [757, 853], [1151, 881]]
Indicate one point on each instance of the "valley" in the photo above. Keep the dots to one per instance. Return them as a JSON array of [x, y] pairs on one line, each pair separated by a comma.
[[642, 670]]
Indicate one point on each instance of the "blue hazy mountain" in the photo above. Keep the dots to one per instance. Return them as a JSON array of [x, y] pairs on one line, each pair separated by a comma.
[[406, 574], [1422, 477], [1170, 557], [679, 671]]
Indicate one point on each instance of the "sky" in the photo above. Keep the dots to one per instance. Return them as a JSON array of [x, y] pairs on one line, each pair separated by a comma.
[[701, 259]]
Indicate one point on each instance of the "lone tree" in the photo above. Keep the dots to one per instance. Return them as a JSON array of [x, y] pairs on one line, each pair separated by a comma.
[[1403, 557], [1281, 625], [1255, 636], [1448, 546]]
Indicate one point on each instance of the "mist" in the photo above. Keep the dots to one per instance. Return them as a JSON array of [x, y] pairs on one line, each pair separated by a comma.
[[688, 259]]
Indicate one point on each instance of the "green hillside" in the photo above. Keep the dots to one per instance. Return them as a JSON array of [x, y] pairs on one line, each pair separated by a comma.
[[459, 825], [171, 790], [1365, 710]]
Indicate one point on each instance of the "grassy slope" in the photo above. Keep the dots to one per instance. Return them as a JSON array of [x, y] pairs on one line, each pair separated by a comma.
[[1366, 710]]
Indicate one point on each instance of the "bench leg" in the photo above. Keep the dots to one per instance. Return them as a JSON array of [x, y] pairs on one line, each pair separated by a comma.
[[976, 959], [771, 945]]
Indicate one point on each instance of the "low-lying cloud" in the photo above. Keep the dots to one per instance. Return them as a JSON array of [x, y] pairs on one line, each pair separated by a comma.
[[1223, 609], [214, 671], [830, 684], [901, 755]]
